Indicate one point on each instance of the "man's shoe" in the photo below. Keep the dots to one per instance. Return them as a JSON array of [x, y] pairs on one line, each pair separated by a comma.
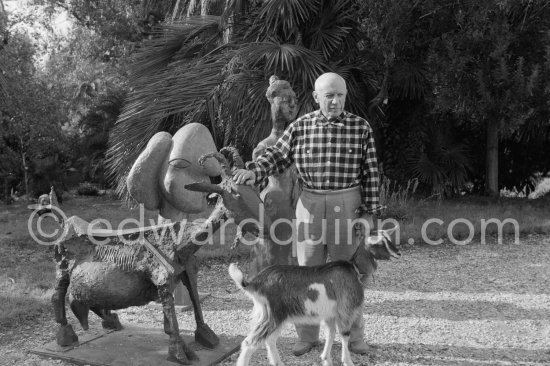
[[359, 347], [301, 347]]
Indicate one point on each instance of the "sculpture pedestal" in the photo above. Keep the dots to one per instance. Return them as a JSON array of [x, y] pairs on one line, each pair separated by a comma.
[[135, 346]]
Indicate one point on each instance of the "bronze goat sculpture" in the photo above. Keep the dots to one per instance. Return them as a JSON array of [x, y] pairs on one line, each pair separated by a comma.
[[134, 268]]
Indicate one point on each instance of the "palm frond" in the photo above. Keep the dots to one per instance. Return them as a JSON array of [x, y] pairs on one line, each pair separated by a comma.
[[285, 16], [175, 42], [178, 93], [409, 81], [328, 31]]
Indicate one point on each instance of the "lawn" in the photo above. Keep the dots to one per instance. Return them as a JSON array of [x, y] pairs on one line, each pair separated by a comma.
[[443, 304]]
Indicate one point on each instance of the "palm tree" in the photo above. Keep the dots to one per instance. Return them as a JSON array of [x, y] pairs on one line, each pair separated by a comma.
[[215, 70]]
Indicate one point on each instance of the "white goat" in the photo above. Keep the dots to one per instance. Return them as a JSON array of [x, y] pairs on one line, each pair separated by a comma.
[[331, 293]]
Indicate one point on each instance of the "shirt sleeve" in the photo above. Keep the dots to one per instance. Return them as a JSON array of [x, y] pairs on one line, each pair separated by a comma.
[[276, 158], [370, 178]]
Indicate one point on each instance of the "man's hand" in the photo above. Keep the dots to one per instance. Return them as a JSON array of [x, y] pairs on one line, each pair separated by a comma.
[[364, 226], [244, 176]]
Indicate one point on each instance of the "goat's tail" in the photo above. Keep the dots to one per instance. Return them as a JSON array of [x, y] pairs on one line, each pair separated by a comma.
[[237, 276]]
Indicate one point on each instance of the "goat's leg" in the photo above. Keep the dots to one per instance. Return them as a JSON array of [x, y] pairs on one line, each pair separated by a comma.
[[80, 310], [329, 340], [345, 331], [272, 351], [177, 349], [203, 334], [65, 334], [248, 346], [109, 320]]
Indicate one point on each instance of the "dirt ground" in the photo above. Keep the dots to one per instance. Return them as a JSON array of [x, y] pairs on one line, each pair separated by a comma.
[[443, 305]]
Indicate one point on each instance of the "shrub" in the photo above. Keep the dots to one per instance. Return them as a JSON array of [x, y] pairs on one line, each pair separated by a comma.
[[397, 198], [542, 188], [87, 189]]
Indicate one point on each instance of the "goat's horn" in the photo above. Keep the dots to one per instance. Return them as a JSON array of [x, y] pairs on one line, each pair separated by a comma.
[[219, 157], [232, 154]]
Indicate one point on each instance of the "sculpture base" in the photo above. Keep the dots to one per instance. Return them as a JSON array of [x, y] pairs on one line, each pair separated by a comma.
[[135, 346]]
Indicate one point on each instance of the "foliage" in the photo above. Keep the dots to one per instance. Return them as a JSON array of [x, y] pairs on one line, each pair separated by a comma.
[[95, 127], [30, 122], [77, 57], [541, 189], [490, 68], [397, 199], [482, 64], [87, 189], [216, 70]]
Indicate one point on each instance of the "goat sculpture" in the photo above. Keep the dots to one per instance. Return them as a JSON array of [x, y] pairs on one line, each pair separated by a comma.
[[132, 268]]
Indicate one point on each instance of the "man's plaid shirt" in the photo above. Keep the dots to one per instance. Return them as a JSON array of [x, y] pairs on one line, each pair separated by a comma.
[[329, 155]]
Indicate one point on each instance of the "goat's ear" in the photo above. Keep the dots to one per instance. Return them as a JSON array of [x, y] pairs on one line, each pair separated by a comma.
[[204, 187], [373, 240]]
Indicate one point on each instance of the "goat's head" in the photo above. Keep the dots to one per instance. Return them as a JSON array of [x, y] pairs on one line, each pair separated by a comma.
[[376, 247], [241, 200], [381, 245]]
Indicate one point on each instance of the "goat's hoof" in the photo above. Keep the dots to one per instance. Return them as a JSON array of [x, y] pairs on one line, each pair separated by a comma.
[[191, 354], [327, 362], [178, 353], [181, 361], [206, 337], [66, 336], [111, 322]]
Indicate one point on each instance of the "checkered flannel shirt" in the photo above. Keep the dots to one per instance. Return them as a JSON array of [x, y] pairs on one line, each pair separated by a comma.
[[329, 155]]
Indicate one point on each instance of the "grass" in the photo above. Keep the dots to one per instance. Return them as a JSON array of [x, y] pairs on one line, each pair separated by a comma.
[[467, 216], [25, 282], [28, 271]]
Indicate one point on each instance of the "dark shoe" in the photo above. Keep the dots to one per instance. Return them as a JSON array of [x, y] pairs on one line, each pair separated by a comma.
[[359, 347], [300, 348]]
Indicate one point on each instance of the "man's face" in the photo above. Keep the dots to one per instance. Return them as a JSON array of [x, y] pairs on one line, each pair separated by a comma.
[[285, 105], [331, 96]]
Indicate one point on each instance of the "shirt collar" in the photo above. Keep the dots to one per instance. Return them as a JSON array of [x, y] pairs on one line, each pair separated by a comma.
[[321, 120]]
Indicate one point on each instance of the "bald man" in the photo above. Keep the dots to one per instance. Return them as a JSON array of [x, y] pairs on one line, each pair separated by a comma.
[[336, 160]]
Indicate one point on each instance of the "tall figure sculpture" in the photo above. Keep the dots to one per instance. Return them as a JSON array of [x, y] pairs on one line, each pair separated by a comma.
[[280, 192], [157, 180]]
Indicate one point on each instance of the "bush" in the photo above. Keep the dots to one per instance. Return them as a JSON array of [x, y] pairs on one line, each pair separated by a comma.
[[396, 198], [87, 189]]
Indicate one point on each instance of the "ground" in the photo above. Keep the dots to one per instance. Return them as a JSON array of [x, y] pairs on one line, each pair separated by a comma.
[[442, 305]]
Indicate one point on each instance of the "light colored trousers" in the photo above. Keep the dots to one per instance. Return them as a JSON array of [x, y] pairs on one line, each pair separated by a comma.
[[325, 233]]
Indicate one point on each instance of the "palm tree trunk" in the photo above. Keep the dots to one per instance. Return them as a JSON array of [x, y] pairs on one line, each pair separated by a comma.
[[491, 168]]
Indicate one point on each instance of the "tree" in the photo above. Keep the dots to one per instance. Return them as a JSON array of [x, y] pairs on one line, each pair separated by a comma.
[[490, 68], [216, 70], [30, 122], [3, 42]]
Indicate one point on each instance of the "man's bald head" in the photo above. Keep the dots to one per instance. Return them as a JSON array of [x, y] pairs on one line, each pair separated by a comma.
[[328, 79], [330, 92]]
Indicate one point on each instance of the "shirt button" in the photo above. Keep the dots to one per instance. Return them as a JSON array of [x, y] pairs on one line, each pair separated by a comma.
[[350, 150], [328, 162], [307, 151], [328, 181]]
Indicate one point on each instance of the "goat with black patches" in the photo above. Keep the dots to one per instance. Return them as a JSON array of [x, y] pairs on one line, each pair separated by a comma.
[[331, 293]]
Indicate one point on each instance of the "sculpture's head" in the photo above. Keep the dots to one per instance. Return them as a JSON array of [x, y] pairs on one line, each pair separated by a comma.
[[159, 175], [242, 201], [282, 99]]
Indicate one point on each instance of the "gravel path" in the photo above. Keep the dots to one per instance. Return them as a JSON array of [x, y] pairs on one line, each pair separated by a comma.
[[446, 305]]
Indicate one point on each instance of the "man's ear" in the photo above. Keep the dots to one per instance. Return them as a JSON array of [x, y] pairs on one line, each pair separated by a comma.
[[315, 97]]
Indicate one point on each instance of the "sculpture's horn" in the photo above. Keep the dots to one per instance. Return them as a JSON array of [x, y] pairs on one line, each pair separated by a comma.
[[232, 154], [220, 158]]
